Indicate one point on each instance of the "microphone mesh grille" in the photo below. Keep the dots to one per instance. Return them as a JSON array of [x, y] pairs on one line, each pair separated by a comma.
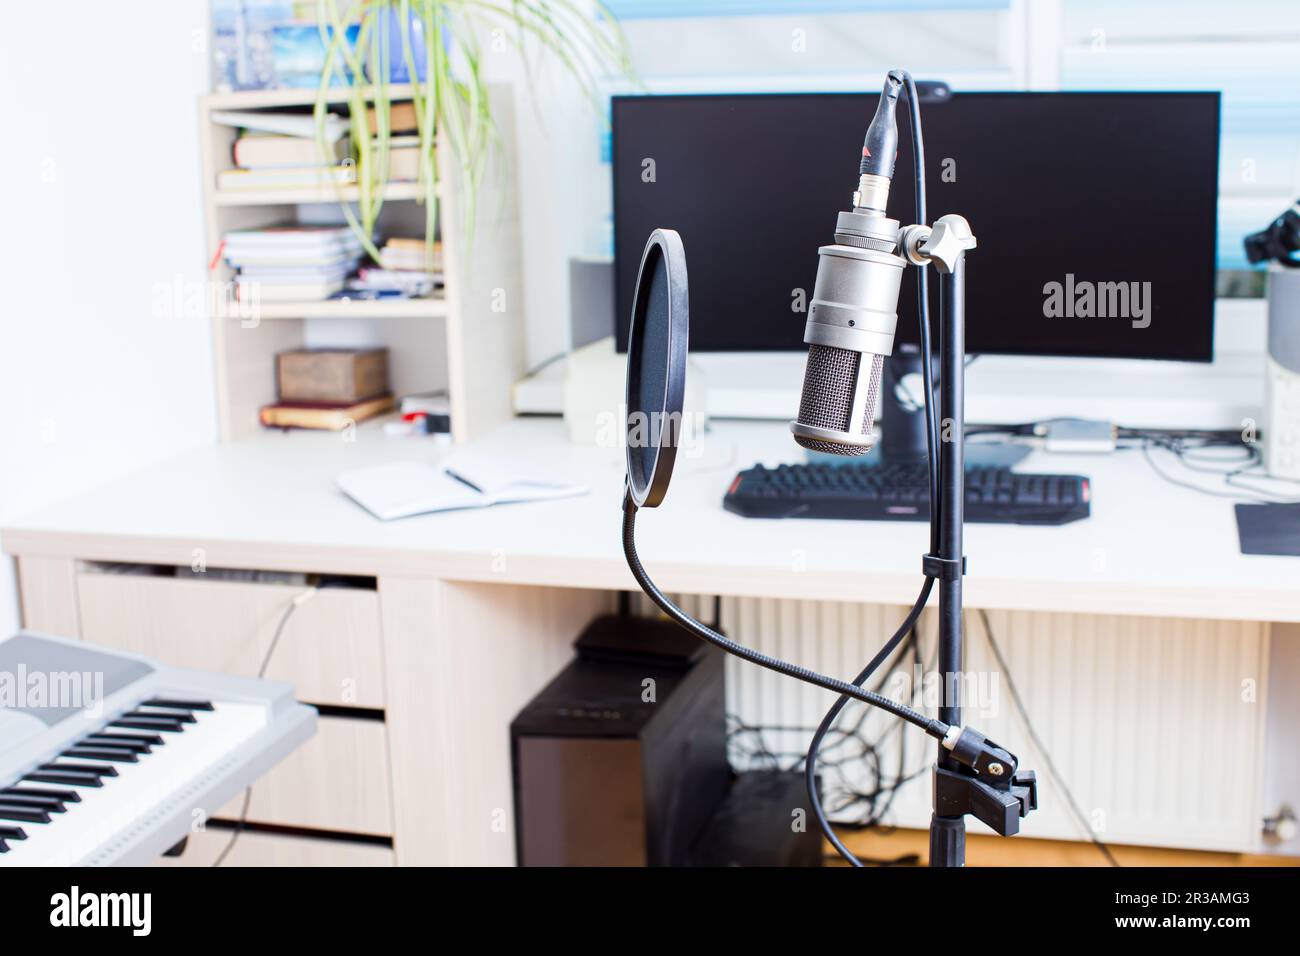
[[829, 384]]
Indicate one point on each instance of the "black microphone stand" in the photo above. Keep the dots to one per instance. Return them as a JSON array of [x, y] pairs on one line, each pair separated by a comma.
[[948, 833], [993, 790]]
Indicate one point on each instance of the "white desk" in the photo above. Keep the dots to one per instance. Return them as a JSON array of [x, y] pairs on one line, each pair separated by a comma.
[[1149, 547], [478, 607]]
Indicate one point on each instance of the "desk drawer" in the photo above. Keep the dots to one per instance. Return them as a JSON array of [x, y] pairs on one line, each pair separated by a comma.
[[267, 849], [338, 781], [330, 649]]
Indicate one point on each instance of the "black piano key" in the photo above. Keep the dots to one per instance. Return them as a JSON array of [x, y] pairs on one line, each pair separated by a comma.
[[153, 740], [89, 768], [179, 716], [64, 796], [52, 804], [164, 724], [12, 833], [117, 742], [174, 704], [26, 814], [4, 847], [67, 779], [97, 753]]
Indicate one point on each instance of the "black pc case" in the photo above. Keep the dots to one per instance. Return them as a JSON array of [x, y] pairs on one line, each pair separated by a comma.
[[621, 759]]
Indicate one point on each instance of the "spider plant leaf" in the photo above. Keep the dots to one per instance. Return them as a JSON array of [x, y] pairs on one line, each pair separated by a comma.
[[452, 108]]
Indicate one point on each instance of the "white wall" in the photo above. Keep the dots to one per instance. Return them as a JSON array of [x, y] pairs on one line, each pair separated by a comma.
[[98, 376]]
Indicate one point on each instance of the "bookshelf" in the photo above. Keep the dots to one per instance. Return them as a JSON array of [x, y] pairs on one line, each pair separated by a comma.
[[467, 338], [327, 193], [281, 99], [431, 308]]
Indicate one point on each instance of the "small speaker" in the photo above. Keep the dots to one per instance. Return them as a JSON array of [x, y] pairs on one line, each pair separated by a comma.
[[591, 301], [1282, 383]]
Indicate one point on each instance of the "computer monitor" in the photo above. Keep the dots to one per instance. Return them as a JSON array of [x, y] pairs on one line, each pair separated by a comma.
[[1095, 212]]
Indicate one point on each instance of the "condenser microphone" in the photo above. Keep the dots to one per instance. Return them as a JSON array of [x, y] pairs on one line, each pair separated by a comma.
[[854, 308]]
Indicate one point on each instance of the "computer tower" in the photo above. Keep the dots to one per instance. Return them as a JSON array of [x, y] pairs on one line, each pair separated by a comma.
[[621, 759]]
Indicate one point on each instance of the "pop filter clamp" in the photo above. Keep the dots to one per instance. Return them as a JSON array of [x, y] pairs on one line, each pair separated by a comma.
[[973, 775]]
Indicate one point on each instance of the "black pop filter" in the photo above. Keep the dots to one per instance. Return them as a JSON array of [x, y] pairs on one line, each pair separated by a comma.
[[656, 367]]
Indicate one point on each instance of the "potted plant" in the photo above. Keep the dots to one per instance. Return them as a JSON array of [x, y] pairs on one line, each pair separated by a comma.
[[433, 45]]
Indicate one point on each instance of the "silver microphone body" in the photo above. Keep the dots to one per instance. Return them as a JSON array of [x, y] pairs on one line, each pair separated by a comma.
[[854, 308], [850, 331]]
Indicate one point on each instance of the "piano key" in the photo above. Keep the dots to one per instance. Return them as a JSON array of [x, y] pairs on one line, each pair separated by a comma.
[[101, 753], [13, 833], [164, 724], [115, 742], [81, 768], [175, 704], [64, 796], [69, 777], [130, 737], [110, 748], [26, 814], [180, 716], [4, 847], [52, 804]]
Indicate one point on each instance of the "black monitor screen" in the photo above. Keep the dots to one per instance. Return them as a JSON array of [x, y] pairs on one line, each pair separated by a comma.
[[1095, 213]]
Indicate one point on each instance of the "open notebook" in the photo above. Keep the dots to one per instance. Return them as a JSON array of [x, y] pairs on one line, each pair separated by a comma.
[[405, 488]]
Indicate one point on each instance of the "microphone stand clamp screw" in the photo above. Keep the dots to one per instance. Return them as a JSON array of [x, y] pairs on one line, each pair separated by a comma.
[[988, 784], [943, 244]]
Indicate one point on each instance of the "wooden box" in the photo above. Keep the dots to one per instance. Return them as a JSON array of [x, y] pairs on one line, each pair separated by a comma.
[[344, 376]]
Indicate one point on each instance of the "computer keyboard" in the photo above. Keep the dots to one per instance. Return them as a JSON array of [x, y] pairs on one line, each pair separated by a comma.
[[900, 492]]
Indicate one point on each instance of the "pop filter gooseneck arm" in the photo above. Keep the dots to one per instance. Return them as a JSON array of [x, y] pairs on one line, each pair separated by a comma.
[[935, 728]]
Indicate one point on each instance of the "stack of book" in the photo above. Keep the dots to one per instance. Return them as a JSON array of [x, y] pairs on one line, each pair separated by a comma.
[[286, 150], [403, 141], [408, 267], [291, 263], [282, 151], [328, 389], [411, 255]]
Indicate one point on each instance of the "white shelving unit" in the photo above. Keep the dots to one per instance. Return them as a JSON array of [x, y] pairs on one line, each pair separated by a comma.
[[325, 194], [467, 338]]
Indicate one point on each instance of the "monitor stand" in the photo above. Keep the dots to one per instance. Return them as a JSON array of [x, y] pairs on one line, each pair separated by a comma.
[[902, 419]]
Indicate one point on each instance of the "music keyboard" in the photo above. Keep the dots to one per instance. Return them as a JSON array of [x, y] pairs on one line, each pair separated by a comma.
[[109, 758]]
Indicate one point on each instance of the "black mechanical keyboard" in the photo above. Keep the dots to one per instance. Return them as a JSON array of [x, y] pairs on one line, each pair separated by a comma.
[[900, 492]]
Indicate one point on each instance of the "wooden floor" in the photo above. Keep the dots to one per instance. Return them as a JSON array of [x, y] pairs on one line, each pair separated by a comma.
[[1019, 851]]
